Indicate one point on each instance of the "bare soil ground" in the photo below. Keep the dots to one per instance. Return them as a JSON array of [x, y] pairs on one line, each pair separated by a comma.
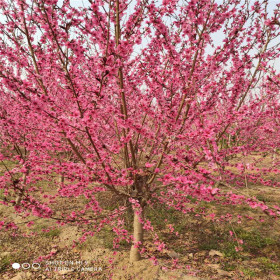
[[203, 247]]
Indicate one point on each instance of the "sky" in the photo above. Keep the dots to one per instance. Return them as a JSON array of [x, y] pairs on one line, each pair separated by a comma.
[[217, 37]]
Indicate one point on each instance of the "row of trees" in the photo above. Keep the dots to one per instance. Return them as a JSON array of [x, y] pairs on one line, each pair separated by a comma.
[[137, 99]]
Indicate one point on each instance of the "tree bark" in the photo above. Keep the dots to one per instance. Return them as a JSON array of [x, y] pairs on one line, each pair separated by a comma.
[[19, 196], [138, 236], [60, 181], [274, 156]]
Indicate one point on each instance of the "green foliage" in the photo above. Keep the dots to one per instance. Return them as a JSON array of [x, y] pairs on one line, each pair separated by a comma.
[[160, 216], [192, 199], [253, 240], [262, 198], [88, 244], [228, 266], [213, 243], [267, 265], [2, 194], [5, 262], [248, 273], [229, 250], [40, 228], [181, 250], [107, 236], [124, 243], [52, 233]]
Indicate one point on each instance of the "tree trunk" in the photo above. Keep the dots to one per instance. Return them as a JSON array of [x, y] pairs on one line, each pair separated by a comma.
[[138, 236], [274, 156], [19, 196], [229, 141], [60, 181]]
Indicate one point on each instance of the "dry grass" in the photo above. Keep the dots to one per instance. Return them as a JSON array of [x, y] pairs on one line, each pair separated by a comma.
[[258, 257]]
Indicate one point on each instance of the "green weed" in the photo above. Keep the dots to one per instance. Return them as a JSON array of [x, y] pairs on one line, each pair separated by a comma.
[[267, 265], [52, 233], [5, 263], [249, 273], [228, 266]]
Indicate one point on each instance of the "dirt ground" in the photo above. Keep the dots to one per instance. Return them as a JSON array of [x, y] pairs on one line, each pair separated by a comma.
[[204, 248]]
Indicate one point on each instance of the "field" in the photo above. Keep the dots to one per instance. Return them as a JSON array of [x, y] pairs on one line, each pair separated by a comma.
[[139, 140], [205, 247]]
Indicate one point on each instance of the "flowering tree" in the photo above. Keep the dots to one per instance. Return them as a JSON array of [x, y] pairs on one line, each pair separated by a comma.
[[137, 99]]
